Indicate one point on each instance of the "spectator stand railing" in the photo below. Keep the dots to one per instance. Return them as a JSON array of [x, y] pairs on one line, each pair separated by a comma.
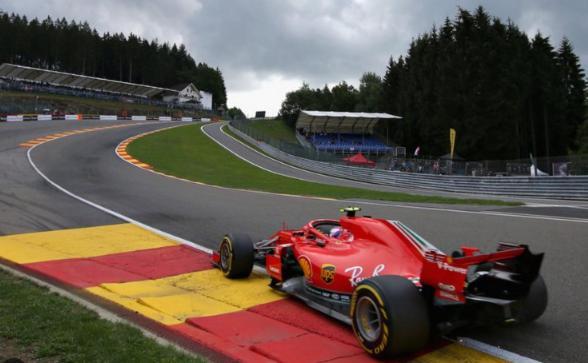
[[511, 178]]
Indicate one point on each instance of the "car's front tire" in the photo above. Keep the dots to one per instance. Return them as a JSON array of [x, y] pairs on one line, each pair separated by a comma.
[[389, 316], [236, 255]]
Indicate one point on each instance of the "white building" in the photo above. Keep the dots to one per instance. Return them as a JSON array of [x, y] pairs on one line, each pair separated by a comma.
[[188, 93]]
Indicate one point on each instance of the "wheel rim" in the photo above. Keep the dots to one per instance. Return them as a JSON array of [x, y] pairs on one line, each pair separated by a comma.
[[368, 319], [225, 254]]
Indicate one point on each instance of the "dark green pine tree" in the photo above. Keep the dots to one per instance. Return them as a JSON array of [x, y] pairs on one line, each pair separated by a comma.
[[505, 95], [77, 48], [548, 123], [390, 96], [572, 76]]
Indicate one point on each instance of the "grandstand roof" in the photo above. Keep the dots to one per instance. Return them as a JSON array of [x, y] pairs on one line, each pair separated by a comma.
[[340, 122], [55, 78]]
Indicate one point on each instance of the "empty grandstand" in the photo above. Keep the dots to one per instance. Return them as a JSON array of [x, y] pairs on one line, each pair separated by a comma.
[[343, 132], [22, 78]]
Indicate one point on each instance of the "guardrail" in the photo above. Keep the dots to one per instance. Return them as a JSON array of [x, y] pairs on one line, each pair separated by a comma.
[[560, 187]]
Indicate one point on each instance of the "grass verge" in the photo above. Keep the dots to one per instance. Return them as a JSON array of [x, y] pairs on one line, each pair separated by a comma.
[[36, 324], [187, 153], [273, 128]]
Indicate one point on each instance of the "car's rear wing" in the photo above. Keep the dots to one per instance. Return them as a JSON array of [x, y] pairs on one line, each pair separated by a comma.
[[504, 274]]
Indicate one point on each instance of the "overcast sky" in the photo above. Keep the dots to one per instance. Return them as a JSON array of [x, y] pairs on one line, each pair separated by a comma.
[[268, 47]]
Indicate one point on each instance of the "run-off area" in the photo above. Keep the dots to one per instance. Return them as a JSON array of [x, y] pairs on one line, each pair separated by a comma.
[[176, 287]]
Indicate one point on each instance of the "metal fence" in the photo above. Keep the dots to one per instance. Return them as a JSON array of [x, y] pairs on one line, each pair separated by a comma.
[[556, 166], [295, 149], [564, 187]]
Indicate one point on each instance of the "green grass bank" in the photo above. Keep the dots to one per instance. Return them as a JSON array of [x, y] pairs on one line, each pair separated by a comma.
[[187, 153], [37, 325]]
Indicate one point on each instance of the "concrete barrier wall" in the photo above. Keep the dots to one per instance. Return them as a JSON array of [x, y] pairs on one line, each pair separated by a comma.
[[80, 117], [565, 187]]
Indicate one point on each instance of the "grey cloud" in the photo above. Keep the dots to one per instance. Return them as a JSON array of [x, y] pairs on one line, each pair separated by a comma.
[[319, 41]]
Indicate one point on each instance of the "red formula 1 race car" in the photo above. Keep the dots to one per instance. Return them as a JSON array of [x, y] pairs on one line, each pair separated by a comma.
[[395, 288]]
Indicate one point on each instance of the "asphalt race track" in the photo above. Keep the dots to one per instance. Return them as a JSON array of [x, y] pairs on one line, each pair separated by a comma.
[[555, 207], [86, 165]]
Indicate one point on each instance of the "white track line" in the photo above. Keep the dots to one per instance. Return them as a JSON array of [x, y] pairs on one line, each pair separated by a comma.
[[409, 190], [222, 129], [382, 204], [110, 211], [538, 205], [494, 351], [498, 351], [201, 183], [247, 160]]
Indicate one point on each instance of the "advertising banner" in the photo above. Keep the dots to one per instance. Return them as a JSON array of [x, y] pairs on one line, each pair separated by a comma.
[[44, 117], [452, 141], [14, 118], [108, 117]]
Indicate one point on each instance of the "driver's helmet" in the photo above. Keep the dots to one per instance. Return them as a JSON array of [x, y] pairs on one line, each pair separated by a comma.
[[335, 232], [341, 234]]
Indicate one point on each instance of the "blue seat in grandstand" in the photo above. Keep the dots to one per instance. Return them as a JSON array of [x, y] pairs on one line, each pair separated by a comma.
[[348, 143]]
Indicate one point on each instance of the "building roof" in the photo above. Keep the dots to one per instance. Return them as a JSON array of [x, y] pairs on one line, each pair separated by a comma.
[[181, 86], [341, 122], [38, 75]]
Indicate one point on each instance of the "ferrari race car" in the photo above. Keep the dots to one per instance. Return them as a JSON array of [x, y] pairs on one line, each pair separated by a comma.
[[392, 286]]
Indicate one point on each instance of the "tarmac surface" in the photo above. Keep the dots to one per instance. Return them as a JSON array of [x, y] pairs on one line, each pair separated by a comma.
[[217, 132], [86, 165]]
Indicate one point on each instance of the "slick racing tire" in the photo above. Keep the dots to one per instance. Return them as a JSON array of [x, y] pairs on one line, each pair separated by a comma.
[[236, 255], [532, 306], [389, 316]]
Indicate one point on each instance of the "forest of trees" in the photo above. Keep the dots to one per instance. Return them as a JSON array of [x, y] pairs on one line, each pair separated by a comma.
[[341, 97], [505, 94], [77, 48]]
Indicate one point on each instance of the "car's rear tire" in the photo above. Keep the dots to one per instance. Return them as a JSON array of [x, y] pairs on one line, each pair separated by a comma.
[[532, 306], [389, 316], [236, 255]]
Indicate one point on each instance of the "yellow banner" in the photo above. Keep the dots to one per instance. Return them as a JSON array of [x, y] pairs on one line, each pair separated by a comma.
[[452, 141]]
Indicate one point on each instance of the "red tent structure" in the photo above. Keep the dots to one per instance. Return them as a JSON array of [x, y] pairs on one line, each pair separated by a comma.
[[359, 160]]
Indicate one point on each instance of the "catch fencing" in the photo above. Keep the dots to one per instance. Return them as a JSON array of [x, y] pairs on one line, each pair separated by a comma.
[[556, 165], [558, 187]]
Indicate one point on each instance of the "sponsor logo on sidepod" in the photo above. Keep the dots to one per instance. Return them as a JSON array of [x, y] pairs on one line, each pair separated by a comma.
[[306, 267], [328, 273], [356, 272]]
